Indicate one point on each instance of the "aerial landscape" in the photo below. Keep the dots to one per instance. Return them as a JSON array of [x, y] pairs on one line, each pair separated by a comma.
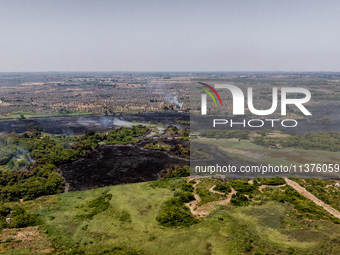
[[65, 173], [169, 127]]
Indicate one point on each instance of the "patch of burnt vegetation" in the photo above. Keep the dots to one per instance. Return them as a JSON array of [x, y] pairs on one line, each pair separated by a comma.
[[117, 164]]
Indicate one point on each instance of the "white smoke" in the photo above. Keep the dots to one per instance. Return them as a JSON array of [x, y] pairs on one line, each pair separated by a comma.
[[173, 100], [171, 97]]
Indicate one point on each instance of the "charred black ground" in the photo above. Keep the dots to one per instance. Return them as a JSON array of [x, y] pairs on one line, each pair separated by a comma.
[[77, 125], [118, 164]]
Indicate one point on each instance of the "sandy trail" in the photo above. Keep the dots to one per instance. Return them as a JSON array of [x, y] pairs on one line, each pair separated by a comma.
[[214, 191], [272, 186], [204, 210], [265, 186], [310, 196]]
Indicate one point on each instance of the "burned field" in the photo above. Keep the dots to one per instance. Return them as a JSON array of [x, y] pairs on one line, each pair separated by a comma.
[[118, 164], [78, 125]]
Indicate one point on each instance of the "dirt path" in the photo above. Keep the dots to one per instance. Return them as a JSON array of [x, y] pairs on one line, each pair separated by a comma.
[[214, 191], [193, 204], [204, 210], [265, 186], [310, 196]]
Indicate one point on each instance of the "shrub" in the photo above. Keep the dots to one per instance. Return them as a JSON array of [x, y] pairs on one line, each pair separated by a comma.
[[222, 187], [176, 171], [243, 186], [175, 214], [270, 181], [21, 218], [187, 187], [239, 199]]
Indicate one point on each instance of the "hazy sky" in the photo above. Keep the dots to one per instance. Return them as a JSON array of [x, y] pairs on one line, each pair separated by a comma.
[[143, 35]]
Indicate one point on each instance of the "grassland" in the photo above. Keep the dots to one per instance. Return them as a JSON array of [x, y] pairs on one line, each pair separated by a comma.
[[28, 115], [129, 222]]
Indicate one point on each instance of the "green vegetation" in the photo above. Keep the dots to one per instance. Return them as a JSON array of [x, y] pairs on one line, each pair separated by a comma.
[[27, 115], [223, 187], [42, 154], [158, 146], [176, 171], [258, 225], [269, 181], [182, 151], [19, 217], [97, 205], [183, 122], [175, 213], [239, 199], [304, 206], [325, 190], [243, 186], [328, 141], [125, 135], [202, 189], [183, 133], [43, 180], [225, 134]]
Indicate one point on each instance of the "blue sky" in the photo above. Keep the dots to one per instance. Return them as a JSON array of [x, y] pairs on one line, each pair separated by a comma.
[[253, 35]]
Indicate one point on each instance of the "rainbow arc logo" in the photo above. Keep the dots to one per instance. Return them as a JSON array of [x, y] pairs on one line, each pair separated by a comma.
[[209, 93]]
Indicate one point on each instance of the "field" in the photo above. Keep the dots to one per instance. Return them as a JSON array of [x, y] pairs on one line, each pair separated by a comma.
[[28, 115], [129, 223]]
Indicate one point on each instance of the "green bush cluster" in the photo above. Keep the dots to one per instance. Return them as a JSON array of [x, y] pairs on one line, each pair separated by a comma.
[[175, 213], [19, 217], [183, 133], [243, 186], [43, 180], [176, 171], [239, 199], [158, 146], [181, 151], [225, 134], [269, 181], [125, 135], [187, 186], [222, 187]]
